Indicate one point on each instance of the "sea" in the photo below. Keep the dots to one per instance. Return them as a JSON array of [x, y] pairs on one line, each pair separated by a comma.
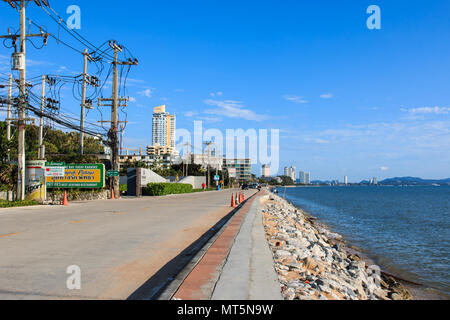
[[405, 230]]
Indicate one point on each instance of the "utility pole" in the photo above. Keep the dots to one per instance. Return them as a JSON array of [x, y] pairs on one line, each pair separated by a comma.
[[20, 64], [188, 158], [208, 145], [41, 123], [122, 132], [22, 107], [115, 103], [8, 115], [86, 57], [114, 119]]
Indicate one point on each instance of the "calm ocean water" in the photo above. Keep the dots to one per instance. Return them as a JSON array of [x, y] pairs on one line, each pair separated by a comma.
[[406, 230]]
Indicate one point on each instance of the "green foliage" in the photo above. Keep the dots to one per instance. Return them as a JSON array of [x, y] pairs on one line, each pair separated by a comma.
[[27, 203], [5, 145], [164, 189], [60, 146], [8, 177]]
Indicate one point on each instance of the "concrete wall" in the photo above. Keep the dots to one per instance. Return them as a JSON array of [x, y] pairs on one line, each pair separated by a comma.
[[7, 195], [148, 176], [195, 182], [56, 199]]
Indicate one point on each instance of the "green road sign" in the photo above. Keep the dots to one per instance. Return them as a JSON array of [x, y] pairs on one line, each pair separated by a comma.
[[112, 173], [55, 164]]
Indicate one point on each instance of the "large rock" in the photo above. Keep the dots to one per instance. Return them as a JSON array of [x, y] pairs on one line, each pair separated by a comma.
[[313, 265]]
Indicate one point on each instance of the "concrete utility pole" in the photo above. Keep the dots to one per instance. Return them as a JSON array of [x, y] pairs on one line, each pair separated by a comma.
[[114, 119], [122, 132], [115, 104], [8, 115], [20, 64], [22, 107], [86, 57], [41, 123], [208, 145], [188, 158]]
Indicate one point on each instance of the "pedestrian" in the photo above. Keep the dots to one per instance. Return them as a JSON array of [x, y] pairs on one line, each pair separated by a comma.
[[204, 186]]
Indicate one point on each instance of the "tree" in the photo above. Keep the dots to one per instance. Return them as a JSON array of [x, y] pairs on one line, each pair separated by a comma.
[[5, 145]]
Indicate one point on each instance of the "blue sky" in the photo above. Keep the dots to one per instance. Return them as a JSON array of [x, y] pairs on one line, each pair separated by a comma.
[[348, 100]]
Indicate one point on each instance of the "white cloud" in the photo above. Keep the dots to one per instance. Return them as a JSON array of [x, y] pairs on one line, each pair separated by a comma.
[[210, 119], [232, 109], [218, 94], [190, 114], [429, 110], [296, 99], [132, 99], [327, 96], [384, 169], [61, 69], [147, 92]]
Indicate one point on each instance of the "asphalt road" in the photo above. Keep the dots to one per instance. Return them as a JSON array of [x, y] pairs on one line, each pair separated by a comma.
[[117, 244]]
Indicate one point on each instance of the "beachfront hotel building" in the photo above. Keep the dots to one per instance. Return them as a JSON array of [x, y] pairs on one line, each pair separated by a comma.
[[305, 177], [164, 128], [291, 173]]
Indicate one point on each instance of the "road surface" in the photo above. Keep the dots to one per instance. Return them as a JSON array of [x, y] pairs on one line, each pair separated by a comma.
[[117, 244]]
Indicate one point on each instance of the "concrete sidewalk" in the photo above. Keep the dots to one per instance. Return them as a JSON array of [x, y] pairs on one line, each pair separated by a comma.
[[238, 265], [249, 272]]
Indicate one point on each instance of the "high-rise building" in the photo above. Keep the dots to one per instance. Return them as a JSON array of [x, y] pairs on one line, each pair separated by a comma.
[[294, 173], [265, 171], [164, 127], [291, 173], [305, 177], [346, 180]]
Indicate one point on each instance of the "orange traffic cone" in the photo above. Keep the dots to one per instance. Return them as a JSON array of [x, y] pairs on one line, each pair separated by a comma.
[[243, 197], [112, 195], [233, 203], [65, 202], [237, 199]]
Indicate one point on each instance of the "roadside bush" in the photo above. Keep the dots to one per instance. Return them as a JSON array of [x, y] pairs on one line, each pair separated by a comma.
[[164, 189], [26, 203]]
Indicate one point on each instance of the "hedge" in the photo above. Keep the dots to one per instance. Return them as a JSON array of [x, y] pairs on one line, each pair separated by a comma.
[[164, 189], [12, 204]]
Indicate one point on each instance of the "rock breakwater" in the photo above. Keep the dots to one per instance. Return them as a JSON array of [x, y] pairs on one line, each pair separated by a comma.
[[313, 264]]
